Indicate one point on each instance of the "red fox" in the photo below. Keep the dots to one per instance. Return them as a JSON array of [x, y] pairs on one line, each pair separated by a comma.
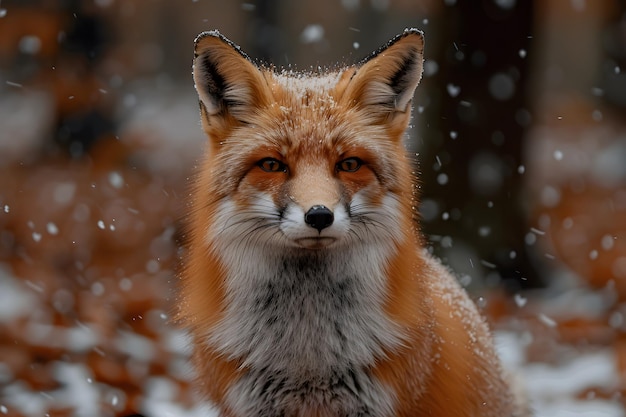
[[305, 284]]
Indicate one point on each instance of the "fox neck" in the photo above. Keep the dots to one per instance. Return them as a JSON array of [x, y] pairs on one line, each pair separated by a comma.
[[306, 313]]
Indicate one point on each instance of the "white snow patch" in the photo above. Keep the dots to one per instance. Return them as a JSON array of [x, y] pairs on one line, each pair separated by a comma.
[[116, 179], [136, 346], [29, 45], [608, 242], [78, 389], [52, 228], [15, 301], [26, 117], [572, 408], [453, 90], [545, 382], [20, 397], [510, 348], [558, 154], [552, 390], [166, 132], [158, 402], [312, 33], [431, 67], [520, 300]]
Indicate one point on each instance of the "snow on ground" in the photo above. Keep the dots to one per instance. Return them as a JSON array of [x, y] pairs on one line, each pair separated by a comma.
[[552, 390], [160, 402]]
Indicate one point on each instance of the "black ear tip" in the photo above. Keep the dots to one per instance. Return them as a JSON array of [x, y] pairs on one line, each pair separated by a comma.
[[408, 32], [207, 34], [212, 33], [215, 34], [418, 34], [413, 31]]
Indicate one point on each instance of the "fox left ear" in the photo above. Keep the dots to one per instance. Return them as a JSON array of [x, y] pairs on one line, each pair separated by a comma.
[[386, 80], [227, 81]]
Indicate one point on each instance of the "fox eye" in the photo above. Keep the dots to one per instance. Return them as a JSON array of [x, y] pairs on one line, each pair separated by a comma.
[[349, 165], [271, 165]]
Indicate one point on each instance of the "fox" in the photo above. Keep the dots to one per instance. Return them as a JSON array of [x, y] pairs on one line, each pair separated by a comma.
[[306, 285]]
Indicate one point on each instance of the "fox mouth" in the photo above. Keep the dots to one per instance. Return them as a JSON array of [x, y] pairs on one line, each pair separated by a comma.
[[315, 242]]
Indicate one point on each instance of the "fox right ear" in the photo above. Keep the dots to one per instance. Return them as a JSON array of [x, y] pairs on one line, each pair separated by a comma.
[[386, 80], [226, 80]]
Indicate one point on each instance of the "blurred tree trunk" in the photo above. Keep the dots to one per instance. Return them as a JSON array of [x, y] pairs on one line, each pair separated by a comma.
[[472, 165], [266, 40]]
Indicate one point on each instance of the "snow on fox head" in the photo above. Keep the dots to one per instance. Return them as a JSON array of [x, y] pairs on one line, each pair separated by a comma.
[[306, 161]]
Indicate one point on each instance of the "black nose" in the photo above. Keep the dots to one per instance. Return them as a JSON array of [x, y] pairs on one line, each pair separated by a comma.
[[319, 217]]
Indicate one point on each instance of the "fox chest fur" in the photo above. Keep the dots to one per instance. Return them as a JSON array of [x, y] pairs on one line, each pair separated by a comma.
[[307, 332], [305, 285]]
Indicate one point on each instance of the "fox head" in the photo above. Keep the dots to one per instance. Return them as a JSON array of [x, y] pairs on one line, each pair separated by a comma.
[[306, 161]]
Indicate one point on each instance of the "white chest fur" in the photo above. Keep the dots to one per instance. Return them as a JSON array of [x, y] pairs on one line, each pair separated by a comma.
[[307, 325]]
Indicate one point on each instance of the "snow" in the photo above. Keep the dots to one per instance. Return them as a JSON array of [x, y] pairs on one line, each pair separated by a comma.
[[579, 409], [312, 33], [501, 86], [591, 369], [116, 179], [20, 397], [558, 154], [78, 390], [548, 321], [552, 389], [453, 90], [52, 228], [26, 117], [520, 300], [136, 346], [15, 300]]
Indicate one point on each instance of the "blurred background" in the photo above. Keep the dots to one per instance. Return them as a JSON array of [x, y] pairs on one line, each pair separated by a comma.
[[519, 132]]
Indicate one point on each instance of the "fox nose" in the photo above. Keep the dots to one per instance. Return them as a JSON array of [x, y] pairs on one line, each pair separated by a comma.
[[319, 217]]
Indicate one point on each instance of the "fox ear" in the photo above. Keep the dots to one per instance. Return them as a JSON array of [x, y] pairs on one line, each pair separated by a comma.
[[387, 79], [226, 80]]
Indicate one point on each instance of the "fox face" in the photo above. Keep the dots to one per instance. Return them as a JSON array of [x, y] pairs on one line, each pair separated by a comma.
[[307, 161]]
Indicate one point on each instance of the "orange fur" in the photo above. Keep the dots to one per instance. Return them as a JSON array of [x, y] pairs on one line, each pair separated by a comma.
[[443, 363]]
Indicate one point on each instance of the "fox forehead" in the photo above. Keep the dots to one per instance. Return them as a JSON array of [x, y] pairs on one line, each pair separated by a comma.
[[307, 107], [303, 84], [306, 118]]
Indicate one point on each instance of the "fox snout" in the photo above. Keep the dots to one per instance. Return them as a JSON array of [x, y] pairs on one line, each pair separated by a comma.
[[319, 217], [314, 225]]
